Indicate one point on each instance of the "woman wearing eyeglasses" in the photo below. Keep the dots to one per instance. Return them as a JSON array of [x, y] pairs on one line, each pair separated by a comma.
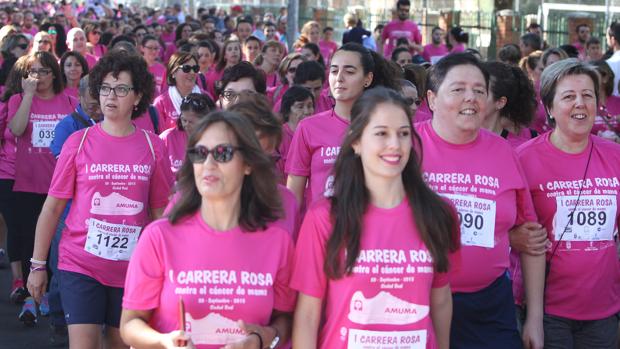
[[181, 81], [286, 72], [194, 108], [410, 93], [217, 251], [150, 47], [119, 179], [32, 118], [42, 42]]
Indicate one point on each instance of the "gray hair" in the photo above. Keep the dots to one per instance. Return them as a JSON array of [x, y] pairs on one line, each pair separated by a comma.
[[552, 75], [83, 86]]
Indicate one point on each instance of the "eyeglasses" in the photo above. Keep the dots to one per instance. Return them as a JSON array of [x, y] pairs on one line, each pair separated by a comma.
[[44, 42], [23, 46], [152, 48], [230, 95], [292, 70], [52, 31], [221, 153], [119, 91], [195, 103], [96, 32], [410, 101], [186, 68], [39, 72]]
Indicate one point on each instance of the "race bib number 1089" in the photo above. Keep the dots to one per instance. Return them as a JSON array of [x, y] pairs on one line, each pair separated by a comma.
[[591, 219]]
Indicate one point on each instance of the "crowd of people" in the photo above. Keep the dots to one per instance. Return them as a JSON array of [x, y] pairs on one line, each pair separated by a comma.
[[170, 180]]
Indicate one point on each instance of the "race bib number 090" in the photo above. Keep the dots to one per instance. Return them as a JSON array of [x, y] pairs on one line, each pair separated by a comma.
[[43, 133], [477, 219], [591, 219], [110, 241]]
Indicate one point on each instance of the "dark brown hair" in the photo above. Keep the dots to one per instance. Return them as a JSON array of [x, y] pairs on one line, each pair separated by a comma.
[[48, 60], [80, 59], [257, 109], [221, 64], [434, 218], [259, 202]]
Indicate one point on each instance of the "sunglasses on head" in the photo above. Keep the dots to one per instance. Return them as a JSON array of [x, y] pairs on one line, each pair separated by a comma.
[[196, 103], [186, 68], [221, 153], [52, 32]]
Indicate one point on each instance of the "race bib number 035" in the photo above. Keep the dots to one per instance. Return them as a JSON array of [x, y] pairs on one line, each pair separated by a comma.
[[593, 219], [43, 133], [477, 219], [110, 241], [361, 339]]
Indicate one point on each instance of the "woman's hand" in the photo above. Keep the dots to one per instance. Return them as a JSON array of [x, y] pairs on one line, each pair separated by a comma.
[[29, 85], [177, 339], [37, 283], [530, 238], [266, 333]]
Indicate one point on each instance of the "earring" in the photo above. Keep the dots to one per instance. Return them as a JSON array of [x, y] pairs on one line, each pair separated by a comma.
[[135, 107]]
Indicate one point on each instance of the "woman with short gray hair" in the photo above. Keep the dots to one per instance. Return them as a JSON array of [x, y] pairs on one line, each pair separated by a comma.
[[573, 179]]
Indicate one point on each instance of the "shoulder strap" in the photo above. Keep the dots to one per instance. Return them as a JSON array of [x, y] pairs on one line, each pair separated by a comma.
[[148, 139], [80, 120], [203, 80], [154, 118], [534, 133], [504, 133], [83, 139]]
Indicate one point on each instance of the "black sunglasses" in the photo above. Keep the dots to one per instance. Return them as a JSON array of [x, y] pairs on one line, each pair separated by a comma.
[[23, 46], [195, 103], [186, 68], [221, 153], [410, 101]]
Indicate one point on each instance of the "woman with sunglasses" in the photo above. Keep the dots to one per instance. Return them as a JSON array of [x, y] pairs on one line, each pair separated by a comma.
[[286, 73], [150, 47], [14, 47], [181, 81], [115, 193], [317, 139], [194, 108], [410, 93], [217, 252], [32, 118], [371, 267], [93, 36], [42, 42], [58, 36]]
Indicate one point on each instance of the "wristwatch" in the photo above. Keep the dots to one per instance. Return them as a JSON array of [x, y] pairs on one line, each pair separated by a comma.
[[276, 339]]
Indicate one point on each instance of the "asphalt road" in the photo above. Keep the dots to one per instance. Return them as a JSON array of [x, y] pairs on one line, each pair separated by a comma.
[[13, 334]]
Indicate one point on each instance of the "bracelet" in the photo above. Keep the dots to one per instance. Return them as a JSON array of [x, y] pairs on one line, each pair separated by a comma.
[[260, 339], [35, 261], [37, 268]]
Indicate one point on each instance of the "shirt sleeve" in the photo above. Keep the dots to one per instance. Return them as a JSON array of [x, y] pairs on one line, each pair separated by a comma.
[[417, 36], [65, 172], [525, 205], [299, 157], [145, 274], [308, 275], [162, 180]]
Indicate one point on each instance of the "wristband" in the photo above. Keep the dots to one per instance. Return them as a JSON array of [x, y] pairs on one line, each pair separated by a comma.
[[37, 269], [35, 261], [260, 339]]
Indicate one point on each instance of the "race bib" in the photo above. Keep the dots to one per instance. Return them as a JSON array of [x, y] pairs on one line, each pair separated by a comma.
[[361, 339], [43, 133], [110, 241], [592, 220], [477, 219]]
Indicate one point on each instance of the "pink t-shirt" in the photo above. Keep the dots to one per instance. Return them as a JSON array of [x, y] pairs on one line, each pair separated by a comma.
[[234, 275], [271, 80], [385, 301], [484, 181], [324, 103], [73, 92], [584, 278], [7, 146], [283, 148], [175, 141], [145, 122], [91, 60], [274, 94], [313, 152], [516, 140], [607, 117], [212, 77], [459, 47], [423, 113], [159, 72], [434, 53], [399, 29], [99, 50], [327, 48], [539, 124], [34, 162], [112, 191]]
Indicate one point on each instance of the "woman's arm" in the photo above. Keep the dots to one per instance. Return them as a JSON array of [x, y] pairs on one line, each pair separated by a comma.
[[534, 282], [297, 184], [137, 333], [441, 314], [46, 227], [280, 325], [20, 121], [306, 322]]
